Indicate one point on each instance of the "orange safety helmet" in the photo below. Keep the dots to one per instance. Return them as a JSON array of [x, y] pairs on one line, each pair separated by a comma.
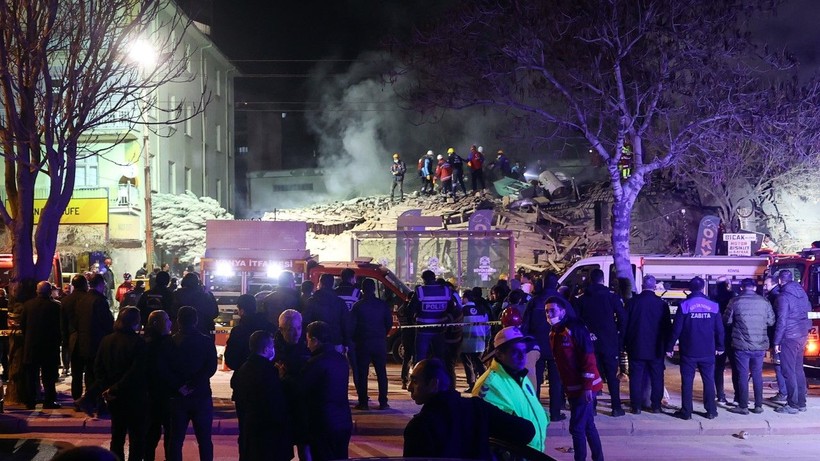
[[511, 317]]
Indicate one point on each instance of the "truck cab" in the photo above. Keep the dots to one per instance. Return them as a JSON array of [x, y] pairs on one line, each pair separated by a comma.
[[805, 268]]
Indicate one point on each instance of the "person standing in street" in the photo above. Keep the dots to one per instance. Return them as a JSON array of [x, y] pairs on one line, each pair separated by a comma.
[[646, 333], [505, 383], [157, 297], [397, 170], [93, 322], [69, 311], [474, 338], [40, 324], [371, 319], [193, 364], [575, 358], [236, 349], [261, 405], [158, 354], [699, 328], [192, 294], [724, 295], [790, 334], [285, 296], [603, 313], [326, 306], [749, 315], [110, 282], [120, 379], [325, 379]]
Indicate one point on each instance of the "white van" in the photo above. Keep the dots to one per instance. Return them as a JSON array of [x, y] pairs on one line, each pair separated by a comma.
[[672, 272]]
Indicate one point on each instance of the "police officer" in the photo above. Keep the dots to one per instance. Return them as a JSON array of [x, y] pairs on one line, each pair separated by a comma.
[[699, 327], [350, 294], [431, 305]]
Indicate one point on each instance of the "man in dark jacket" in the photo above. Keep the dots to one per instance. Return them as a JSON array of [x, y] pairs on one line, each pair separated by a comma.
[[725, 293], [192, 294], [193, 364], [326, 306], [93, 320], [261, 405], [534, 323], [431, 304], [603, 313], [749, 315], [132, 296], [159, 351], [646, 333], [325, 383], [372, 320], [285, 296], [120, 378], [69, 311], [790, 334], [236, 348], [158, 297], [291, 356], [451, 426], [40, 324], [699, 328]]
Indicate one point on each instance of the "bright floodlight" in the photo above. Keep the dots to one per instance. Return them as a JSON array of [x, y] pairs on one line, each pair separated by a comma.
[[273, 271], [143, 53], [224, 269]]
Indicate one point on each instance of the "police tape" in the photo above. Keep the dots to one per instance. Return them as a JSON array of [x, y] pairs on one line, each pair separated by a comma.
[[404, 327]]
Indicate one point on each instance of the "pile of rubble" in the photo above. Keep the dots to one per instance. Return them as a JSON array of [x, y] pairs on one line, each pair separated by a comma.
[[547, 236]]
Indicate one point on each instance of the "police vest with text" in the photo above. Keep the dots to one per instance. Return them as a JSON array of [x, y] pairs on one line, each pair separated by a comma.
[[434, 300], [349, 294]]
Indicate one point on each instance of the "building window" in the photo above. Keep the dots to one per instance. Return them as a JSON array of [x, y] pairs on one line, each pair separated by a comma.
[[219, 138], [88, 172], [173, 110], [172, 178], [189, 114], [219, 191], [219, 82], [187, 179], [292, 187], [188, 58], [155, 174]]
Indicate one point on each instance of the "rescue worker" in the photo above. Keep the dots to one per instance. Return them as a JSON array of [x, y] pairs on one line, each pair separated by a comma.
[[699, 327], [457, 162], [476, 163], [431, 304], [575, 359], [444, 173], [503, 164], [397, 169], [350, 294], [426, 173], [124, 288]]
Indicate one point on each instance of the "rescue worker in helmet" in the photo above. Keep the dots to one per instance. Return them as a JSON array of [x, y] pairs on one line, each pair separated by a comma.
[[426, 170], [457, 162], [397, 169], [124, 288]]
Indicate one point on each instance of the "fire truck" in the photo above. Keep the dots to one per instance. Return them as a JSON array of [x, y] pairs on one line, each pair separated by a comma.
[[246, 257], [805, 267]]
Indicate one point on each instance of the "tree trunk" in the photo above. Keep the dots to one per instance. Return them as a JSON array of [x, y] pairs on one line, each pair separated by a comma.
[[622, 227]]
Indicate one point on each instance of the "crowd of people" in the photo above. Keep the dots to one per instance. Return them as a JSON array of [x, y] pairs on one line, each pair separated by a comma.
[[290, 384]]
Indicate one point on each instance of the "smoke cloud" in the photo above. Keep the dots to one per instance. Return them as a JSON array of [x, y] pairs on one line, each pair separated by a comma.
[[362, 123]]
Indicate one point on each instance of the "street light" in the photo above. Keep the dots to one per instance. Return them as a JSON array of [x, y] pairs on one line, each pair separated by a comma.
[[144, 54]]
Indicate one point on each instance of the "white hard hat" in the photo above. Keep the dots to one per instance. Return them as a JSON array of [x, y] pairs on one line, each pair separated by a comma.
[[429, 152], [440, 156], [481, 149]]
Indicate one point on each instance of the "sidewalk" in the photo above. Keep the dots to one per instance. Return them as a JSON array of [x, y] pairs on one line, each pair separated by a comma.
[[392, 422]]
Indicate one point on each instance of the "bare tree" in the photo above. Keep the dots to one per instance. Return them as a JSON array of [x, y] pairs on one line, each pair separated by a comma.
[[649, 76], [737, 169], [68, 71]]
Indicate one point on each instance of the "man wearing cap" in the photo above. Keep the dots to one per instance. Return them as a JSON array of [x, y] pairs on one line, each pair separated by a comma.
[[699, 327], [506, 386]]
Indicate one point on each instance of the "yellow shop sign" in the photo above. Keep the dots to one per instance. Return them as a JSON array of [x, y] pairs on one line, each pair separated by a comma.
[[78, 211]]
